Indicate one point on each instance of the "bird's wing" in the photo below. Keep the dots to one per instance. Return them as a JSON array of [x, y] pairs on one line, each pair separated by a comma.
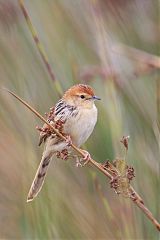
[[59, 114]]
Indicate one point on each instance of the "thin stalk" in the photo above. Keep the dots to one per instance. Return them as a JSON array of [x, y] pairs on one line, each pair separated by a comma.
[[40, 48], [138, 55]]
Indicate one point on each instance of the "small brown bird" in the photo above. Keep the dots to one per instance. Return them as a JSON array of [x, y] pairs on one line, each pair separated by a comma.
[[78, 113]]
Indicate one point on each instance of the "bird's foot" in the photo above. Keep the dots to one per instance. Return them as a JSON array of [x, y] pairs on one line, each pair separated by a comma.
[[63, 154], [83, 161]]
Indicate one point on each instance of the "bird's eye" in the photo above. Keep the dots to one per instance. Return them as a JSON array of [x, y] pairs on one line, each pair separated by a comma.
[[82, 96]]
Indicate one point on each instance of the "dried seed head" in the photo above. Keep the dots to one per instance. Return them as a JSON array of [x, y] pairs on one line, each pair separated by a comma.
[[106, 164], [130, 173], [125, 141], [39, 128], [59, 125], [51, 115], [63, 154], [114, 183]]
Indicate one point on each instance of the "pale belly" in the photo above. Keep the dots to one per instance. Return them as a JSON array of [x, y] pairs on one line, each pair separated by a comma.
[[81, 126]]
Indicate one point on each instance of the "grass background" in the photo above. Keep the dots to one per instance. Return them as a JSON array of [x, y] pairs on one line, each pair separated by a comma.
[[78, 36]]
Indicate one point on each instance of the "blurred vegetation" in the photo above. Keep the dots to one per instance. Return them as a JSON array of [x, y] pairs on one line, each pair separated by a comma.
[[78, 36]]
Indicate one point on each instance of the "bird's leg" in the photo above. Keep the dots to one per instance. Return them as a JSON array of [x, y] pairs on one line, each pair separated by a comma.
[[82, 161]]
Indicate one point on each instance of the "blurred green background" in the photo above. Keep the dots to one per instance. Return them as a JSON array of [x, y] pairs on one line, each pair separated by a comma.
[[79, 37]]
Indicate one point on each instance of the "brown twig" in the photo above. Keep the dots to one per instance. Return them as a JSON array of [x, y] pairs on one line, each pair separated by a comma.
[[110, 174], [40, 48], [148, 214]]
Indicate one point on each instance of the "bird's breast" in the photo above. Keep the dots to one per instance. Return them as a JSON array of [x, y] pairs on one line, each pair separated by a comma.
[[81, 124]]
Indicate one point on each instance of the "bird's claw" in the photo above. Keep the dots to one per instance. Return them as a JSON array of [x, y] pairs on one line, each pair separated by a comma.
[[81, 162]]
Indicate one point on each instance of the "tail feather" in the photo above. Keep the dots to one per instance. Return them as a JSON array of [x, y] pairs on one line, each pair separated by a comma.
[[39, 177]]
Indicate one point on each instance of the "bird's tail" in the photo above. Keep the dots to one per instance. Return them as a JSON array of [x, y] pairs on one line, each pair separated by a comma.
[[40, 176]]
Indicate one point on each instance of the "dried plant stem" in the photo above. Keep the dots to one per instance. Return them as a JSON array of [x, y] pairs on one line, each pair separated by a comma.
[[100, 35], [134, 196], [158, 102], [147, 58], [100, 167], [40, 48], [158, 124], [148, 214]]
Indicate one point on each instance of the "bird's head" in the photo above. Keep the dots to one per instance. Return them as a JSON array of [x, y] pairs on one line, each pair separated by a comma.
[[81, 96]]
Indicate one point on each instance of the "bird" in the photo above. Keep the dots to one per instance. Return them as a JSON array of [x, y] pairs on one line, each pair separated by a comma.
[[77, 114]]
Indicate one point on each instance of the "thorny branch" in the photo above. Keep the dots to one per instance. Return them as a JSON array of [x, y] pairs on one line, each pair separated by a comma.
[[119, 173]]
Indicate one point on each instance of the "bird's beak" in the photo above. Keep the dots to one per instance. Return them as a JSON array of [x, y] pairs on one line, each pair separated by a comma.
[[96, 98]]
